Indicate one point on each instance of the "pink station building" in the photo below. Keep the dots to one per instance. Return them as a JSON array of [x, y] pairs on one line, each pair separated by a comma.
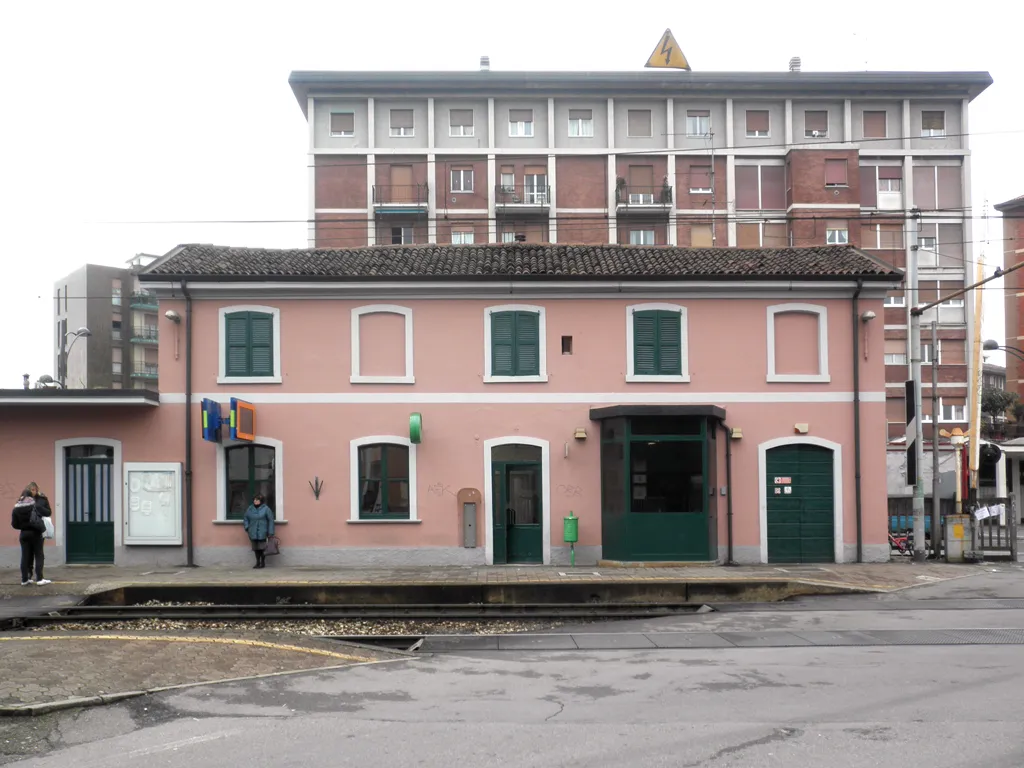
[[452, 404]]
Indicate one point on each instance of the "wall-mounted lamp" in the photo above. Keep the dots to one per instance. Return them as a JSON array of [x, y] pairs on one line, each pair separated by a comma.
[[175, 318], [866, 318], [580, 433], [801, 429]]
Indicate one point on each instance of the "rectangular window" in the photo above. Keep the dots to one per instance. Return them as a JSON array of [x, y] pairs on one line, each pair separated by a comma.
[[895, 352], [953, 411], [657, 343], [890, 236], [462, 237], [508, 180], [249, 342], [460, 122], [836, 173], [816, 124], [761, 187], [250, 470], [462, 180], [874, 124], [401, 236], [641, 184], [384, 482], [515, 344], [933, 123], [700, 236], [638, 123], [343, 124], [520, 123], [535, 185], [836, 233], [581, 123], [115, 293], [890, 185], [895, 359], [698, 122], [953, 303], [641, 237], [926, 354], [508, 237], [895, 300], [758, 123], [700, 179], [401, 122]]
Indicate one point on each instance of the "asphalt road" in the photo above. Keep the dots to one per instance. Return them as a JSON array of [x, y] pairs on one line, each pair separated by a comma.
[[841, 707]]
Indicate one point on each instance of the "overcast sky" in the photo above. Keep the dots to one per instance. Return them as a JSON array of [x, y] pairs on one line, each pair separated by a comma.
[[143, 112]]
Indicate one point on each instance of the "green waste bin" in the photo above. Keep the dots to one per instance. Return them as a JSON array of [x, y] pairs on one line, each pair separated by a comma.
[[571, 529]]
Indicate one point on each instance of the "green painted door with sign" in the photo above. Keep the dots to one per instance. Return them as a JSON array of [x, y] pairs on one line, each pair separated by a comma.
[[518, 517], [89, 509], [800, 504]]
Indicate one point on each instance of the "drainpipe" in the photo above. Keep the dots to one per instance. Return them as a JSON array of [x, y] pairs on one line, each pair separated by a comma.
[[856, 416], [189, 553], [728, 491]]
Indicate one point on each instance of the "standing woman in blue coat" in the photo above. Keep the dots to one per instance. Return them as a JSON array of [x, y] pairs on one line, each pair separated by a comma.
[[259, 524]]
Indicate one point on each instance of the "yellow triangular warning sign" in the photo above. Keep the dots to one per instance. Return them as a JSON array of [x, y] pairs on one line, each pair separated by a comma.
[[668, 54]]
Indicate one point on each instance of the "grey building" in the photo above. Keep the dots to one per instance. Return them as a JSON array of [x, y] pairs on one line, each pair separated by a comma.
[[119, 351]]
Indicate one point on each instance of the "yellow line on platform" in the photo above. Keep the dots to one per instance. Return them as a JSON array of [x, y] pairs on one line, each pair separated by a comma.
[[214, 640]]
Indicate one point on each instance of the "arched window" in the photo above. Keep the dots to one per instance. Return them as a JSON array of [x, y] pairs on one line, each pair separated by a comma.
[[383, 479], [250, 469]]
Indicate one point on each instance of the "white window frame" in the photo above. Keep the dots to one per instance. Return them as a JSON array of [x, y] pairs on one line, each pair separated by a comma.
[[708, 190], [462, 180], [222, 479], [845, 236], [354, 446], [357, 376], [341, 134], [520, 130], [412, 235], [926, 354], [895, 358], [222, 345], [510, 188], [822, 376], [957, 303], [464, 131], [400, 133], [809, 134], [643, 236], [954, 420], [584, 127], [684, 347], [933, 133], [462, 237], [895, 301], [693, 130], [885, 185], [542, 330], [648, 135], [508, 237], [757, 134]]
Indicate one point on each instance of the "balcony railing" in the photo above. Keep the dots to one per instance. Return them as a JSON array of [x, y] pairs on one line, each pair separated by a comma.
[[115, 334], [144, 300], [400, 197], [145, 334], [520, 196], [627, 196], [145, 371]]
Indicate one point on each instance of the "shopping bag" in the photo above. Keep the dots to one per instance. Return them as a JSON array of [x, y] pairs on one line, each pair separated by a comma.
[[273, 546], [48, 533]]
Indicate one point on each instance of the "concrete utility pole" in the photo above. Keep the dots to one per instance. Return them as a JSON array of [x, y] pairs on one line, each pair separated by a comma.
[[936, 502]]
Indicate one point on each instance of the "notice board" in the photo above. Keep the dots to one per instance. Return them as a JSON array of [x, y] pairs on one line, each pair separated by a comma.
[[152, 503]]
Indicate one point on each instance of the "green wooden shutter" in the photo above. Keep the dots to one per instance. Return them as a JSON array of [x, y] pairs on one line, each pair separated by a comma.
[[670, 358], [503, 340], [261, 344], [527, 344], [645, 343], [236, 335]]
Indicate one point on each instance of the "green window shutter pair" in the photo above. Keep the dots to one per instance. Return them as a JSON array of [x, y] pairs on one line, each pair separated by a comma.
[[249, 340], [657, 343], [515, 344]]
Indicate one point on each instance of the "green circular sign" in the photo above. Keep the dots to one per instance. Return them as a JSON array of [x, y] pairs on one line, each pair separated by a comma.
[[415, 428]]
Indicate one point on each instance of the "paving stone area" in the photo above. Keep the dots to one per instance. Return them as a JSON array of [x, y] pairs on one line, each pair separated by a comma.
[[35, 669]]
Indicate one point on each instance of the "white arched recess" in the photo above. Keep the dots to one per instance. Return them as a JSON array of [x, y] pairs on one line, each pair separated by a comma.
[[837, 487], [545, 492], [58, 497]]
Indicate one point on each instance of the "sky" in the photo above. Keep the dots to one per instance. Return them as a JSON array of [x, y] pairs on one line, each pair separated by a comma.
[[122, 123]]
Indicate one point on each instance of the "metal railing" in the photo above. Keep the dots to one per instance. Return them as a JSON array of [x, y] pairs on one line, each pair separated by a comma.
[[523, 194], [143, 299], [388, 194], [992, 533], [630, 195], [145, 333], [145, 370]]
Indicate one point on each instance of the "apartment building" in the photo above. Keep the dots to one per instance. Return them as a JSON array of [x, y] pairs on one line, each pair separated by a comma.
[[1013, 254], [118, 349]]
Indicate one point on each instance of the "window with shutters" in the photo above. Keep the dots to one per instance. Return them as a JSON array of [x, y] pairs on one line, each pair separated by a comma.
[[758, 123], [656, 343], [343, 124], [460, 122], [874, 124], [581, 123], [836, 173], [516, 350], [933, 124], [700, 179], [250, 345], [520, 123], [638, 123], [816, 124], [402, 122]]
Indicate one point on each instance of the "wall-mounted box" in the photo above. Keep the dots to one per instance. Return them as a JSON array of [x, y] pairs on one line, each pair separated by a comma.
[[152, 503]]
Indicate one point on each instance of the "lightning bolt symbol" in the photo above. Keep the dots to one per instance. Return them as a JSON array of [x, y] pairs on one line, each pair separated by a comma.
[[666, 49]]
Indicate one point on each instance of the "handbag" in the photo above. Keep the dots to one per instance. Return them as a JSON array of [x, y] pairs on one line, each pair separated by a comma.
[[49, 532], [273, 546]]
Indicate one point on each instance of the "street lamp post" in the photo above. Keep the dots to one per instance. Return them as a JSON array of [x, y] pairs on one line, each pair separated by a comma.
[[83, 331]]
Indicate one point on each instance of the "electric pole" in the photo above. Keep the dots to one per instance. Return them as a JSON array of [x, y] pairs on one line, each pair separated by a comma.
[[917, 438], [936, 502]]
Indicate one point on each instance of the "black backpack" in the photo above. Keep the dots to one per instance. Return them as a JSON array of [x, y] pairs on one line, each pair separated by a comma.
[[35, 520]]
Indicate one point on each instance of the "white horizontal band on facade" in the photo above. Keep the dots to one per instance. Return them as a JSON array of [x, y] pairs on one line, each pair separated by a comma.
[[523, 398]]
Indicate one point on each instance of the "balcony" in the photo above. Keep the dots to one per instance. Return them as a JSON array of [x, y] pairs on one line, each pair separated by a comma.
[[391, 200], [116, 335], [632, 199], [145, 371], [144, 300], [144, 334], [523, 198]]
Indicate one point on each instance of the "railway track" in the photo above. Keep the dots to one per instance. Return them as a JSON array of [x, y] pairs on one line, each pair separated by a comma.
[[105, 613]]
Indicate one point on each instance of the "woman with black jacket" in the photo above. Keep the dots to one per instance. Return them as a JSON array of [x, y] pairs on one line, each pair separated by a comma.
[[31, 537]]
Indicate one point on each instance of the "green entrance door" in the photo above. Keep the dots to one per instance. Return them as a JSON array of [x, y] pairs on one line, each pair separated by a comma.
[[518, 519], [88, 504], [801, 504]]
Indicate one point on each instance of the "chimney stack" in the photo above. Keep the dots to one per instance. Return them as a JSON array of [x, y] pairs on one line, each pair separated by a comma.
[[794, 64], [485, 63], [25, 378]]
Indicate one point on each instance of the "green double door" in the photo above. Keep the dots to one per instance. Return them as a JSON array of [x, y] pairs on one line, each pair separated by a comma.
[[89, 509], [518, 517], [801, 504]]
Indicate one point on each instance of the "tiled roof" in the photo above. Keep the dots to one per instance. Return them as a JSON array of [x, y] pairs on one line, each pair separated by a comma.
[[518, 261], [1016, 202]]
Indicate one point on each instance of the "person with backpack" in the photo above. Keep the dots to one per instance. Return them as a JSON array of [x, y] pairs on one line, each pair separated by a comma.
[[27, 517]]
